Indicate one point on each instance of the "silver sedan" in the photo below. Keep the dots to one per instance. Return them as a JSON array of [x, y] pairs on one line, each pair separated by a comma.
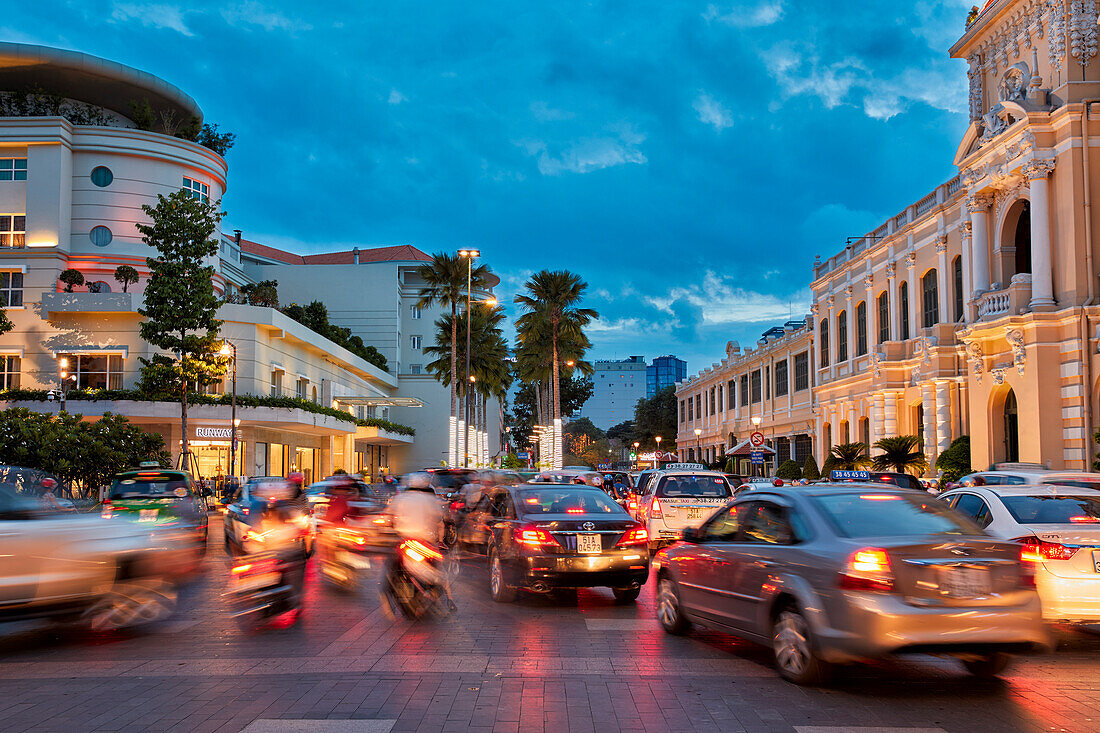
[[838, 573]]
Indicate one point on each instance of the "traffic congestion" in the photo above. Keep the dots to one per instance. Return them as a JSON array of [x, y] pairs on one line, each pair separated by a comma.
[[846, 570]]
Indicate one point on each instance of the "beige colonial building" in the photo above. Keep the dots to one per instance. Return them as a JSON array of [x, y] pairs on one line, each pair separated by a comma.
[[772, 383], [974, 310]]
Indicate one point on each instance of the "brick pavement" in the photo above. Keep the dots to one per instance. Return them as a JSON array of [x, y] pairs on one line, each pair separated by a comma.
[[529, 666]]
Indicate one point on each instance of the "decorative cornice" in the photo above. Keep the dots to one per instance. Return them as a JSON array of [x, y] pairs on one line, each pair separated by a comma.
[[1038, 168], [966, 229], [978, 203], [941, 243]]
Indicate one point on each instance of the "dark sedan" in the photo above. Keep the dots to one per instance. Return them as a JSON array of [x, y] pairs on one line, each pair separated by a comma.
[[557, 539]]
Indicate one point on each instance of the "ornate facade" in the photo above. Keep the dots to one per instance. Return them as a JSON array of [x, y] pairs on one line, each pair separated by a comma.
[[974, 311]]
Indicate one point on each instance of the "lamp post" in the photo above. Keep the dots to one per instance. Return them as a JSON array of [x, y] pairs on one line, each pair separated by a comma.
[[636, 446], [65, 377], [469, 255], [657, 455], [230, 349], [698, 445]]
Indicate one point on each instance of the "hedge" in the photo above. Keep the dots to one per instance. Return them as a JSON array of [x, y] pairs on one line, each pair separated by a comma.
[[244, 400]]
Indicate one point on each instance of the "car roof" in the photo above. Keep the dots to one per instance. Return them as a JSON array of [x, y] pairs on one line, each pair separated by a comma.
[[689, 472], [848, 488], [1032, 490], [162, 471]]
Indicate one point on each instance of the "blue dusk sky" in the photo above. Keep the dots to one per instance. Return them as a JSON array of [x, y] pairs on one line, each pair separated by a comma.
[[687, 158]]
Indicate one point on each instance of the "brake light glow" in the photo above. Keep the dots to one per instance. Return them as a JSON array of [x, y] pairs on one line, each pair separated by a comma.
[[419, 552], [655, 508], [632, 505], [108, 511], [879, 497], [574, 511], [868, 569], [240, 569], [533, 537], [634, 536], [1027, 567], [1085, 520], [1035, 550]]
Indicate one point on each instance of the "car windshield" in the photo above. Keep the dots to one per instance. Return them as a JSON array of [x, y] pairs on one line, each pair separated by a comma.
[[887, 515], [690, 487], [444, 483], [1053, 509], [567, 501], [154, 485]]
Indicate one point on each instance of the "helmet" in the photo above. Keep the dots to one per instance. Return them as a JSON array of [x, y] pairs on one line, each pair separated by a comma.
[[419, 481], [596, 481]]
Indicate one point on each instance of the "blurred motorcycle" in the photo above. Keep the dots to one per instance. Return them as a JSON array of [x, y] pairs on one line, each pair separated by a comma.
[[262, 587], [416, 584]]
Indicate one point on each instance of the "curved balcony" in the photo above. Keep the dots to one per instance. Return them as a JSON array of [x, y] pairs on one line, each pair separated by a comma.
[[1010, 301]]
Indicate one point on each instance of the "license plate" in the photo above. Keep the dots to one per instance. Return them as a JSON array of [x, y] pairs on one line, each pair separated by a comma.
[[589, 543], [696, 513], [965, 582], [252, 582], [147, 515]]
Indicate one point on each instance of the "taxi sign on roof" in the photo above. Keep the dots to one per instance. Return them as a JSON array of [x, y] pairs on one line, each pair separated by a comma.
[[850, 475], [684, 467]]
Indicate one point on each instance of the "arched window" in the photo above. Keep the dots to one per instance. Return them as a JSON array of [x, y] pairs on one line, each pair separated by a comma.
[[1011, 428], [957, 271], [842, 336], [861, 329], [824, 345], [884, 316], [931, 299], [903, 307], [865, 431], [1022, 240]]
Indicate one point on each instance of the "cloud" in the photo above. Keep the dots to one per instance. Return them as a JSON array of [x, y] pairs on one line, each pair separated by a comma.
[[543, 113], [719, 302], [589, 154], [396, 97], [746, 15], [155, 16], [711, 112], [254, 13]]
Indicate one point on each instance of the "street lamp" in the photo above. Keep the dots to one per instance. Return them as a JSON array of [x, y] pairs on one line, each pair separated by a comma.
[[657, 455], [230, 349], [65, 377], [469, 255], [698, 445], [636, 445]]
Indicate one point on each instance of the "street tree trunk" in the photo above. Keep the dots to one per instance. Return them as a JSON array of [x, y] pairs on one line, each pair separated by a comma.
[[452, 437], [183, 415]]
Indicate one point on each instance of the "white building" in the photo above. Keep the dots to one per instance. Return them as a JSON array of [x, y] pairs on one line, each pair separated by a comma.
[[616, 388]]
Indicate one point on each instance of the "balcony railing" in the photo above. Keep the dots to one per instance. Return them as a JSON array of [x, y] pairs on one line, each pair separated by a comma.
[[1013, 300]]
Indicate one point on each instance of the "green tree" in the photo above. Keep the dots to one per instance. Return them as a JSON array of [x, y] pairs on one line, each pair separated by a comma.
[[789, 471], [955, 461], [849, 456], [903, 454], [180, 306], [447, 280], [315, 317], [655, 416], [126, 276], [71, 277], [551, 307], [264, 293], [623, 432], [5, 323], [810, 471]]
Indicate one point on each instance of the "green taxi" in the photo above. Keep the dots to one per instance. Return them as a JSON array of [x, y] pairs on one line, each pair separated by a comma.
[[163, 499]]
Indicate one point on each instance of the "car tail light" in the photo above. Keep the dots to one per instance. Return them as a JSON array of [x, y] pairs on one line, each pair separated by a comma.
[[868, 569], [533, 537], [634, 536], [255, 568], [632, 503], [1027, 565], [1085, 520], [655, 508], [1035, 550], [107, 510]]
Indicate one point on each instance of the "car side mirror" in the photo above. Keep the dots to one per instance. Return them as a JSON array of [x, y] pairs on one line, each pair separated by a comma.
[[692, 534]]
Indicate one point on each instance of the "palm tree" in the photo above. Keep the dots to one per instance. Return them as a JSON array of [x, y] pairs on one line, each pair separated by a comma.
[[551, 310], [902, 454], [445, 282], [850, 456]]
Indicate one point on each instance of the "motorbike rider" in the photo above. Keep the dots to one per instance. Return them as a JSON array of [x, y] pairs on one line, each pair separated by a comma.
[[278, 517], [418, 515]]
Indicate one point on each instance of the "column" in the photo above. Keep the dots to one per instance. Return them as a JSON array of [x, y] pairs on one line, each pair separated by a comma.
[[928, 401], [850, 296], [1042, 277], [890, 414], [791, 446], [895, 303], [871, 308], [945, 281], [943, 415], [914, 294], [878, 416], [966, 230], [978, 206]]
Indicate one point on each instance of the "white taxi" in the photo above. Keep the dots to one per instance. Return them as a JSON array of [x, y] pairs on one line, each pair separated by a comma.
[[679, 496]]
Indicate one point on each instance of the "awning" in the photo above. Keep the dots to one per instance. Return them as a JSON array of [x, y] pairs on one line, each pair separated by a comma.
[[379, 401], [744, 448]]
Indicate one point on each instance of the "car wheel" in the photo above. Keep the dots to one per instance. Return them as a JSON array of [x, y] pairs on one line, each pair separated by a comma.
[[987, 666], [132, 603], [626, 595], [498, 590], [669, 612], [792, 645]]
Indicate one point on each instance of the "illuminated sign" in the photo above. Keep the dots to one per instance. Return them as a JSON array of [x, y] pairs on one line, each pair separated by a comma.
[[216, 433]]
